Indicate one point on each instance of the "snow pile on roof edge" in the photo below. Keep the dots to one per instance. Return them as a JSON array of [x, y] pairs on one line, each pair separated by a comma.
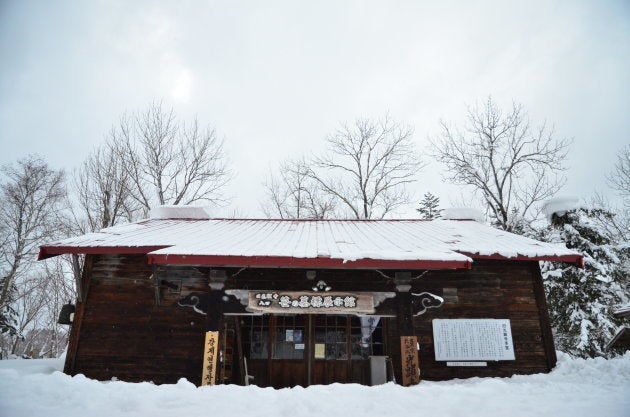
[[180, 212], [463, 213], [559, 205]]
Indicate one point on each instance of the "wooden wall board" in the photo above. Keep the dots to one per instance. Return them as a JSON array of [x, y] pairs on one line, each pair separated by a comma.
[[123, 333]]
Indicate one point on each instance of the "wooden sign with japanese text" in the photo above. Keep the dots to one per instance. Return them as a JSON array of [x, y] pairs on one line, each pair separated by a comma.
[[409, 360], [305, 302], [210, 355]]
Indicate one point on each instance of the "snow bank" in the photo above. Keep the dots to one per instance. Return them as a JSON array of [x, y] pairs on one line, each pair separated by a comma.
[[577, 387]]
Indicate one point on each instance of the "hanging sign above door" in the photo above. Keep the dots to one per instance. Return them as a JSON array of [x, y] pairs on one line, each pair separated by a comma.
[[306, 302]]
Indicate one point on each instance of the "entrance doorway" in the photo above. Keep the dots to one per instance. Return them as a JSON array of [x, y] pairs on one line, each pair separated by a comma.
[[289, 350]]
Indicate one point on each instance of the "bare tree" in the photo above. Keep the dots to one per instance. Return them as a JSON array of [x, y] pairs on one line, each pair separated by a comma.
[[29, 307], [39, 297], [32, 195], [508, 163], [293, 194], [619, 178], [367, 167], [103, 189], [169, 162], [58, 289]]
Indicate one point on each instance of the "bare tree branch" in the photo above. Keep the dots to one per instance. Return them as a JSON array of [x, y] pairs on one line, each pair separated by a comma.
[[169, 162], [293, 194], [367, 167], [510, 165], [102, 188], [32, 195], [619, 178]]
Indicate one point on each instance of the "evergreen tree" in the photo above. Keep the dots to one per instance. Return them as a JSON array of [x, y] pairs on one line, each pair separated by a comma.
[[429, 207], [8, 321], [581, 301]]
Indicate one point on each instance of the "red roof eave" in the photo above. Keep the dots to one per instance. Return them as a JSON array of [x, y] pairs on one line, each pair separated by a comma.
[[290, 262], [577, 260], [46, 252]]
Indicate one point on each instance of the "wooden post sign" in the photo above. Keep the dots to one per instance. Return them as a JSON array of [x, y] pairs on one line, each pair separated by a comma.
[[410, 362], [210, 354]]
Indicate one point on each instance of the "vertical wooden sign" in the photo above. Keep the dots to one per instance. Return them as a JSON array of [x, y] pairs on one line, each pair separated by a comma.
[[210, 354], [409, 359]]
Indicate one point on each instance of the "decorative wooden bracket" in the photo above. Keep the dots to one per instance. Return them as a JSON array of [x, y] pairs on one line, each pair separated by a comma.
[[197, 300], [424, 301]]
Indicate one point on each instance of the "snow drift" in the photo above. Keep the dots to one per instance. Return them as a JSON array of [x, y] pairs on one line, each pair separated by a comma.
[[576, 387]]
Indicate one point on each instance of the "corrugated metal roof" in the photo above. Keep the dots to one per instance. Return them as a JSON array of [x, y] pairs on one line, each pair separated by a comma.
[[312, 243]]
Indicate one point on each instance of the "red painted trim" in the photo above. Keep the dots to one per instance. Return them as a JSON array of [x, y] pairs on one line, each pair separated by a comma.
[[289, 262], [50, 251], [578, 260]]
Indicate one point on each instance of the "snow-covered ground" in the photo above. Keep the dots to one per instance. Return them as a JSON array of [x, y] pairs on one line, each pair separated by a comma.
[[576, 387]]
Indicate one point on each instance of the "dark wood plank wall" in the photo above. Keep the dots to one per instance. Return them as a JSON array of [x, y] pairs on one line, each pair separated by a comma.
[[123, 333], [492, 289]]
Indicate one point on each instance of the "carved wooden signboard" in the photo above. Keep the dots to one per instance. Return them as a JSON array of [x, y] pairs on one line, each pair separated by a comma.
[[472, 340], [304, 302], [410, 362], [210, 354]]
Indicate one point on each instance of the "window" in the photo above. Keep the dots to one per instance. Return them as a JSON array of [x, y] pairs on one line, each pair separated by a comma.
[[367, 337], [289, 337], [332, 332], [256, 336]]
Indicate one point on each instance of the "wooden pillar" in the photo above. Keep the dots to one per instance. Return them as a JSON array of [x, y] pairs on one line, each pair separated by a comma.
[[408, 340], [405, 314]]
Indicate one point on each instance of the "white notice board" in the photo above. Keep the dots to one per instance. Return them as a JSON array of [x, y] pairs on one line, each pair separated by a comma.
[[472, 340]]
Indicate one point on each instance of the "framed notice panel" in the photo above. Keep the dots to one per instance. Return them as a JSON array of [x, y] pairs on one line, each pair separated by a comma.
[[472, 340]]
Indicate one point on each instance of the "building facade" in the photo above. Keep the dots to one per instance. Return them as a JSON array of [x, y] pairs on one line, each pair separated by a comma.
[[283, 303]]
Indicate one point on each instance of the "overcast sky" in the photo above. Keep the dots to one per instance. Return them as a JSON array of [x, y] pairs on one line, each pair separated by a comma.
[[275, 77]]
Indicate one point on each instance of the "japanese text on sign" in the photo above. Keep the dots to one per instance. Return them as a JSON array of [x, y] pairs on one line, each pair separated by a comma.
[[472, 340], [410, 363], [208, 376], [310, 302]]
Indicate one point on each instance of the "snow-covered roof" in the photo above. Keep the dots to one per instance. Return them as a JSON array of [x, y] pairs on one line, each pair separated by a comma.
[[622, 311], [407, 244]]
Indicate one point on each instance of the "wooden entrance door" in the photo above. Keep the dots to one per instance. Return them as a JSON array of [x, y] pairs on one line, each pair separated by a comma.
[[342, 346], [288, 365], [289, 350]]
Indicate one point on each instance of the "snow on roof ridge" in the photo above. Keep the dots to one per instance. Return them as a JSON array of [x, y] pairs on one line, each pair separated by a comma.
[[463, 213], [559, 205], [180, 212]]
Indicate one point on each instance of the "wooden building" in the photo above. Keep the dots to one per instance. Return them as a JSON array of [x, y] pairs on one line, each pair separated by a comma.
[[621, 339], [300, 302]]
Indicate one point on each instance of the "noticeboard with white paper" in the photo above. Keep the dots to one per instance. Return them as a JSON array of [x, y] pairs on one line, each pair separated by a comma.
[[472, 340]]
